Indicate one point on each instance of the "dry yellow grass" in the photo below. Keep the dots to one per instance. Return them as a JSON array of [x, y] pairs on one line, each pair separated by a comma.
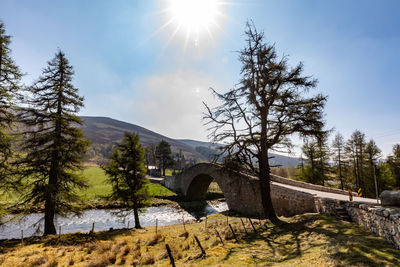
[[307, 240]]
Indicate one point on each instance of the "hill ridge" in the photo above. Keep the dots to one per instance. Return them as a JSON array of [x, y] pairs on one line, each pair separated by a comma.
[[104, 132]]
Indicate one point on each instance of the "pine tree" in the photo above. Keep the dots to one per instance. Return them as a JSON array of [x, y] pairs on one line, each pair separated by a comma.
[[338, 145], [355, 154], [309, 169], [54, 145], [126, 171], [385, 176], [373, 153], [324, 155], [271, 102], [164, 156], [394, 163], [10, 78], [316, 159]]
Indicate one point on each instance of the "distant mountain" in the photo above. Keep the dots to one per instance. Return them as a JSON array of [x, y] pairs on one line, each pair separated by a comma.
[[194, 143], [275, 160], [105, 132]]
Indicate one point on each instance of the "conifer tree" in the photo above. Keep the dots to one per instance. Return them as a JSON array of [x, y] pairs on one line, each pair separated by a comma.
[[316, 153], [394, 163], [126, 171], [373, 153], [164, 156], [10, 78], [271, 102], [54, 145], [309, 158], [355, 154], [338, 145]]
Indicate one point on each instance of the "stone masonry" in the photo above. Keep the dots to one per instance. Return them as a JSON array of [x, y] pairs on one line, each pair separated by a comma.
[[242, 194]]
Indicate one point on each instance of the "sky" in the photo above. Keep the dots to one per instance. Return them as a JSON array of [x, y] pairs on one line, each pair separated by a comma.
[[132, 65]]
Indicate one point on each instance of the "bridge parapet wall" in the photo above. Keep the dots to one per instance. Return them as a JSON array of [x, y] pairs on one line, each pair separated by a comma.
[[289, 202], [288, 181]]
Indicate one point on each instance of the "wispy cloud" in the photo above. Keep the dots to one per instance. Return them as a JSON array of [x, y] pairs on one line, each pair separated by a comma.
[[172, 103]]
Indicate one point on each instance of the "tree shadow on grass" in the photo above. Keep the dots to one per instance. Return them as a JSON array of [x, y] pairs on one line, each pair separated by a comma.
[[344, 243]]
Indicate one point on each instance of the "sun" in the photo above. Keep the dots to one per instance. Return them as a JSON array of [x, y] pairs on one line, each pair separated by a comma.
[[193, 19]]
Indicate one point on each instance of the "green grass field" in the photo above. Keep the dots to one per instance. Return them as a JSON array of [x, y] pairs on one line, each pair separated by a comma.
[[99, 187]]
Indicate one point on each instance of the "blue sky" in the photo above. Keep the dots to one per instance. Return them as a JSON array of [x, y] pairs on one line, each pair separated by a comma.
[[129, 69]]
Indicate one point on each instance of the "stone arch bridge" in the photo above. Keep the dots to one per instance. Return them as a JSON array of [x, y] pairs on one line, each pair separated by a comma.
[[242, 191]]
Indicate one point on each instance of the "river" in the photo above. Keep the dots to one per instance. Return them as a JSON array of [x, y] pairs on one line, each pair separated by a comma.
[[104, 219]]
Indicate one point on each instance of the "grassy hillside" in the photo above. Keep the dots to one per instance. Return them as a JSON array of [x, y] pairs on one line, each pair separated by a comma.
[[307, 240], [105, 132], [275, 159]]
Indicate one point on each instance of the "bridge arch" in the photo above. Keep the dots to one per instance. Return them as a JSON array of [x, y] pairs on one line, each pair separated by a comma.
[[242, 192]]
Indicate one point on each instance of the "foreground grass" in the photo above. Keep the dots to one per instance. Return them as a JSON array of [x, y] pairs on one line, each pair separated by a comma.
[[307, 240]]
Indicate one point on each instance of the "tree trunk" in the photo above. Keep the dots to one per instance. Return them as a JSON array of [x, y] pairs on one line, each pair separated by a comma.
[[269, 211], [313, 179], [361, 168], [265, 175], [136, 215], [340, 171], [50, 202], [49, 212], [356, 171]]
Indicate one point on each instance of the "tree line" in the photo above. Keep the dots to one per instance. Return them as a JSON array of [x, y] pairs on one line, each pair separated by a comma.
[[353, 163], [159, 158]]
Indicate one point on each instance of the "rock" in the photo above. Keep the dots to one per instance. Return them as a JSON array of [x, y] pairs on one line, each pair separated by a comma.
[[386, 213], [390, 198]]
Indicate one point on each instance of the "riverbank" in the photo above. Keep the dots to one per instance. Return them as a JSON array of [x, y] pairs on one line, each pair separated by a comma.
[[104, 219], [306, 240], [95, 196]]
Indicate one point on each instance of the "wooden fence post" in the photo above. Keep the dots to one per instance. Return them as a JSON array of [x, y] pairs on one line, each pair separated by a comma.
[[244, 227], [198, 243], [156, 225], [220, 238], [22, 237], [233, 232], [59, 230], [252, 225], [92, 228], [171, 258]]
